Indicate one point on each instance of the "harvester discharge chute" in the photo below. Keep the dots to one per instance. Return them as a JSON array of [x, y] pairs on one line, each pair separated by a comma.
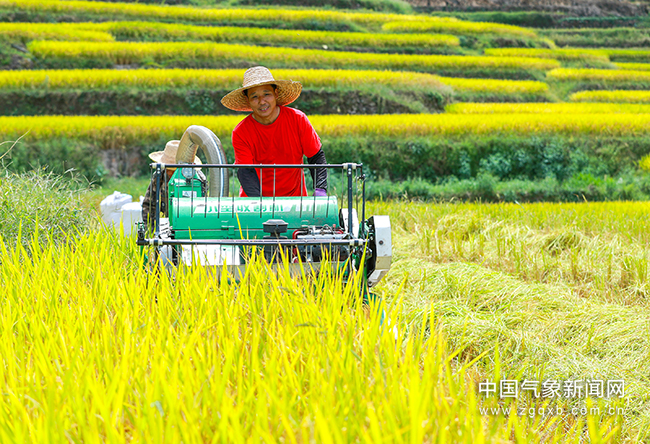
[[207, 226]]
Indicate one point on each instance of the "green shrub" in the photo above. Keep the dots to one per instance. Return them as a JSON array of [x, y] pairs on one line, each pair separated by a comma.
[[528, 19], [599, 37], [488, 188], [434, 159], [504, 157], [41, 202], [58, 156]]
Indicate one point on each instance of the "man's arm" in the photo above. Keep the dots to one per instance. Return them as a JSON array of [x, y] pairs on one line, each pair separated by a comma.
[[147, 206], [248, 178], [249, 181], [318, 175]]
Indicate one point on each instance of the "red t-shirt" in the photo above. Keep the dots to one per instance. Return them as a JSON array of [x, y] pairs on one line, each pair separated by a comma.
[[284, 141]]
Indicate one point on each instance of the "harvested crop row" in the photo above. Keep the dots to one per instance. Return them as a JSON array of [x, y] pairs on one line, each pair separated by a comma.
[[221, 15], [231, 78], [456, 27], [197, 54], [628, 55], [160, 358], [633, 66], [606, 75], [394, 22], [164, 31], [408, 125], [602, 54], [559, 54], [26, 32], [546, 108], [501, 87], [616, 96], [269, 348], [207, 78], [598, 37]]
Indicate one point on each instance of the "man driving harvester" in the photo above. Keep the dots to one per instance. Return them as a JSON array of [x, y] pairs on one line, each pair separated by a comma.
[[273, 134]]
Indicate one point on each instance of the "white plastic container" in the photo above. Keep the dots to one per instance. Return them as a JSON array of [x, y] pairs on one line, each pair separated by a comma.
[[131, 214], [118, 207]]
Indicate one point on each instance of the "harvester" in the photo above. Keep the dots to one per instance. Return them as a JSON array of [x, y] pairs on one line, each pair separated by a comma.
[[206, 226]]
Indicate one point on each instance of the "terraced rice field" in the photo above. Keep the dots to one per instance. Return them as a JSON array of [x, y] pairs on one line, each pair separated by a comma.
[[482, 297]]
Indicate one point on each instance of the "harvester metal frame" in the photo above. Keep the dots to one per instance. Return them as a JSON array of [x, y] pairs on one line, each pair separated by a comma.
[[359, 241], [336, 234]]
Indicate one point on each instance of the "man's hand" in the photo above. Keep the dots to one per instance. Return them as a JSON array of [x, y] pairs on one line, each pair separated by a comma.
[[319, 192]]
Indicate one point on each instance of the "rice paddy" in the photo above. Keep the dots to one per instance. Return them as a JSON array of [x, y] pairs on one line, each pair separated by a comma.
[[102, 351], [95, 347]]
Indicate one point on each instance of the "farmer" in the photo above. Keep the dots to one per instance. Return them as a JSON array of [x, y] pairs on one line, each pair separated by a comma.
[[273, 134], [149, 204]]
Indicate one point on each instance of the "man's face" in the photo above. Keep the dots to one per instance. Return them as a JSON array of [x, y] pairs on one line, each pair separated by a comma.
[[263, 101]]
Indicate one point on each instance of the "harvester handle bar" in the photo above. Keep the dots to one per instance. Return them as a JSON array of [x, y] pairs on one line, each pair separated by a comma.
[[348, 168], [259, 242]]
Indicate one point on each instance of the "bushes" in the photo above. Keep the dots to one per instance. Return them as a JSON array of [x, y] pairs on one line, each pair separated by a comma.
[[506, 158], [43, 203], [433, 158], [58, 156], [488, 188], [478, 165], [528, 19]]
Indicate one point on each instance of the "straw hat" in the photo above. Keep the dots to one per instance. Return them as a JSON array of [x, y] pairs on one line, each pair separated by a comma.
[[287, 90], [169, 155]]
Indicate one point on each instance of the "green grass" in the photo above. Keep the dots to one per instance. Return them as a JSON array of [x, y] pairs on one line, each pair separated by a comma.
[[477, 292], [121, 355], [42, 203], [599, 37], [561, 288]]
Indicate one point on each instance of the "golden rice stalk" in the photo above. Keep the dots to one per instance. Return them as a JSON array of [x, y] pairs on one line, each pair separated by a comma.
[[98, 350], [559, 54], [607, 75], [439, 24], [616, 96], [231, 34], [231, 78], [130, 52], [633, 66], [546, 108], [25, 32], [207, 15], [223, 34], [633, 55], [589, 54], [496, 86], [116, 131]]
